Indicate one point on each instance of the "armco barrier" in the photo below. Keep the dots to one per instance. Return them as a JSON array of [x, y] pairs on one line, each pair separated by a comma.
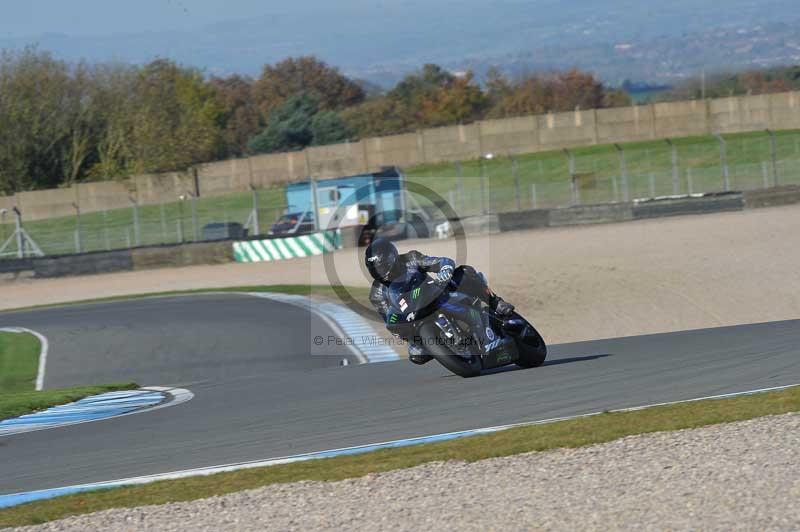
[[772, 197], [481, 225], [83, 264], [590, 214], [515, 221], [13, 270], [292, 247], [701, 204], [218, 252]]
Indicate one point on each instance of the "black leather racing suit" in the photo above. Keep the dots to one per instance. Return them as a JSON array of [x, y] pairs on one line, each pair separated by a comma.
[[466, 279]]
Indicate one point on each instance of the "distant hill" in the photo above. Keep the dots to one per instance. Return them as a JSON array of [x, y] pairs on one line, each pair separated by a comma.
[[382, 40]]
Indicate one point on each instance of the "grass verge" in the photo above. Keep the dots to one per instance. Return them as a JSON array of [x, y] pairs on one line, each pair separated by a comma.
[[574, 433], [333, 293], [19, 362]]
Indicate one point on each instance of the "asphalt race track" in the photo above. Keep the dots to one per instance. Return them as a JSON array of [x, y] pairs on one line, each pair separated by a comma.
[[260, 393]]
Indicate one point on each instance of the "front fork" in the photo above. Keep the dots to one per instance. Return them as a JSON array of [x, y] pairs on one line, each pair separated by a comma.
[[454, 336]]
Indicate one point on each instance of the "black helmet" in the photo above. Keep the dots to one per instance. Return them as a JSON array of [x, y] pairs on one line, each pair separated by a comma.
[[380, 258]]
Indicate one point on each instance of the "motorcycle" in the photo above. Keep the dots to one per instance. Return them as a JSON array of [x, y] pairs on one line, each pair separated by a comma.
[[461, 332]]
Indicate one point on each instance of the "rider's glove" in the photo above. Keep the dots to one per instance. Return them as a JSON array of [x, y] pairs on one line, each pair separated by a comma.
[[445, 274]]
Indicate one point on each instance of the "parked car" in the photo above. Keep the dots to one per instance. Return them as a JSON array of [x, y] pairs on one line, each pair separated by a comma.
[[294, 222]]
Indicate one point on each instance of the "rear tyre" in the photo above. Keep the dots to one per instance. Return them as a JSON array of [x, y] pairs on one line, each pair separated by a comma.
[[532, 349], [436, 345]]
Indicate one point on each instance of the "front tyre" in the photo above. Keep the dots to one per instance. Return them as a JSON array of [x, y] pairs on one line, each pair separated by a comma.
[[436, 345], [532, 349]]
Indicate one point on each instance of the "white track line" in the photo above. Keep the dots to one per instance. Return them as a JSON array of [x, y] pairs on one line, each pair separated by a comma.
[[24, 497], [44, 347]]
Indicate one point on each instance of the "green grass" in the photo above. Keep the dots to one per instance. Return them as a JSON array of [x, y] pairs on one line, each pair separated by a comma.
[[574, 433], [328, 292], [20, 403], [646, 162], [19, 362]]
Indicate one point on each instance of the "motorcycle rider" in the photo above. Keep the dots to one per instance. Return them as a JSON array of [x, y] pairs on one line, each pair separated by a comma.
[[386, 265]]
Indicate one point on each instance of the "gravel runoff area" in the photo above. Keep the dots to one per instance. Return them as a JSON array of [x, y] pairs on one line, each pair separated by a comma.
[[575, 283], [737, 476]]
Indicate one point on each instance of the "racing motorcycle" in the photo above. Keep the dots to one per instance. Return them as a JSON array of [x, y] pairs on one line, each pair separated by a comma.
[[462, 333]]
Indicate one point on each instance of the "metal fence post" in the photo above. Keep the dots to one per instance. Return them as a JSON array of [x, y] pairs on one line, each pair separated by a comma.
[[3, 213], [181, 198], [256, 226], [460, 187], [19, 233], [78, 242], [515, 172], [312, 185], [723, 159], [676, 177], [765, 173], [614, 190], [534, 203], [572, 184], [195, 229], [483, 192], [623, 172], [773, 152], [163, 223], [105, 230], [137, 231]]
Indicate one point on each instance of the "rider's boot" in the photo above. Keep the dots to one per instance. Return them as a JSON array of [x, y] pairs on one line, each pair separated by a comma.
[[416, 354], [473, 282]]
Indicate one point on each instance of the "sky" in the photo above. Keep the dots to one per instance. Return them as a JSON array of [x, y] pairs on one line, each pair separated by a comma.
[[24, 18]]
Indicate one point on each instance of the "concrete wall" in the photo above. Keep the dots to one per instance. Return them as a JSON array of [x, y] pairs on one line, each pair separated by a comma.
[[446, 144]]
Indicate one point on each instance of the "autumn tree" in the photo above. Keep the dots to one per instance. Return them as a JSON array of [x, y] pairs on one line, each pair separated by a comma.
[[542, 93], [242, 117], [42, 106], [294, 75], [427, 98], [177, 121]]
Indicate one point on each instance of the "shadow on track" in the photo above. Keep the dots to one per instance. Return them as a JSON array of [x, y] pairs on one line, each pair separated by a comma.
[[556, 362]]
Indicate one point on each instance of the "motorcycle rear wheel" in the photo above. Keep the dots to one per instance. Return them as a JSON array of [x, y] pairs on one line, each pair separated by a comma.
[[436, 345]]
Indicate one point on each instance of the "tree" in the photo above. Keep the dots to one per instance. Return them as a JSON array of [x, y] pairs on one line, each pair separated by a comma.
[[560, 91], [289, 126], [38, 104], [242, 117], [328, 127], [177, 121], [305, 74], [378, 117], [460, 100]]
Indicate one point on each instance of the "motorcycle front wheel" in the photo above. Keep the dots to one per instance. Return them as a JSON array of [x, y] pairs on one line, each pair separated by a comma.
[[436, 345]]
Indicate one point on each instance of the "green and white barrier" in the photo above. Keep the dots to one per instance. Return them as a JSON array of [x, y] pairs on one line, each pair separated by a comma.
[[290, 247]]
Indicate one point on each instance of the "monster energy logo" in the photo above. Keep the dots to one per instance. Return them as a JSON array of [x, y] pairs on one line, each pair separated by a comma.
[[415, 293], [473, 313], [393, 318]]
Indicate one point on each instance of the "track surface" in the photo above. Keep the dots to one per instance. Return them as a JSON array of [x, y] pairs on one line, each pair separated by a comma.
[[261, 393]]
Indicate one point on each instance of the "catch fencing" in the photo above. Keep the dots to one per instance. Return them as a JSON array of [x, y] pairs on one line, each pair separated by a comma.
[[506, 183], [494, 183]]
